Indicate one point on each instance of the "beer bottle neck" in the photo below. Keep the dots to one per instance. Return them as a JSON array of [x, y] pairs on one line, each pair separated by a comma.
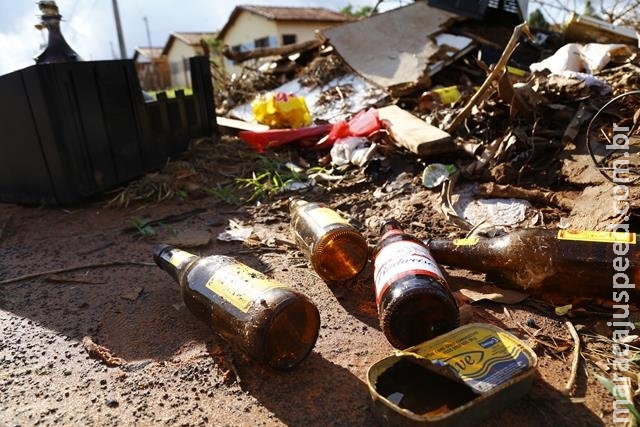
[[295, 204], [173, 260], [445, 252], [389, 227], [478, 256]]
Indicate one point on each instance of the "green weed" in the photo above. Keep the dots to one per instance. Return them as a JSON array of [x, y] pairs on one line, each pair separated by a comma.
[[226, 194], [269, 178], [143, 227], [608, 384]]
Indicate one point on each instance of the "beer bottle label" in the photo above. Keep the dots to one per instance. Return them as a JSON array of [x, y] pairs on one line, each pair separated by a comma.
[[467, 241], [179, 257], [401, 259], [240, 285], [597, 236], [325, 216]]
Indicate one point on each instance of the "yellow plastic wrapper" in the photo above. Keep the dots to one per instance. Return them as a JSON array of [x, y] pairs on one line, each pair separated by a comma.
[[281, 110]]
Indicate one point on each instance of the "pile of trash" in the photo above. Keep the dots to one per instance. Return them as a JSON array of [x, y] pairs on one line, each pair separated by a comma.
[[526, 125]]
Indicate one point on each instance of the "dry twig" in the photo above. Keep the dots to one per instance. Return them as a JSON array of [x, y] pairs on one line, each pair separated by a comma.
[[170, 218], [535, 336], [492, 189], [575, 359], [99, 352], [261, 52], [78, 267], [494, 75]]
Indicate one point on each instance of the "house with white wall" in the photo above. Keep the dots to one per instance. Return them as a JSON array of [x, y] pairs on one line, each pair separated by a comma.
[[250, 27], [179, 48], [152, 68]]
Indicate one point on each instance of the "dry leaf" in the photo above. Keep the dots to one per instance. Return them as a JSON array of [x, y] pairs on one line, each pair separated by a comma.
[[132, 294], [493, 293]]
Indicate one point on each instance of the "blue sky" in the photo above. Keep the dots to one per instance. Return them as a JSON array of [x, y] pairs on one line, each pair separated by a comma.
[[88, 25]]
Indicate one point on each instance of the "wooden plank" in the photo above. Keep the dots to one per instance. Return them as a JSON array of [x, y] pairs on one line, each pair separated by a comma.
[[179, 133], [154, 152], [414, 134], [240, 124], [203, 94], [76, 173], [95, 139], [119, 118], [24, 175]]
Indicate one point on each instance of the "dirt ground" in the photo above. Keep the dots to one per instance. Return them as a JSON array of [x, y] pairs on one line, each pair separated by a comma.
[[112, 343]]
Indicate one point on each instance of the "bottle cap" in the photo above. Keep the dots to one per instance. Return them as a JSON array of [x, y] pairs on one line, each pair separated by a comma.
[[295, 203], [389, 224]]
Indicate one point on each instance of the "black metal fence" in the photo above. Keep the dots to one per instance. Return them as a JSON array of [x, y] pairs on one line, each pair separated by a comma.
[[73, 130]]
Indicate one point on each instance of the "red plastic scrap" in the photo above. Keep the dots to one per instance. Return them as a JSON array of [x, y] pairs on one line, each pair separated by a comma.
[[259, 141], [364, 123]]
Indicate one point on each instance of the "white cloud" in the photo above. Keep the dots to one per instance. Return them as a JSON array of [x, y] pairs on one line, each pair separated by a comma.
[[20, 47], [90, 34]]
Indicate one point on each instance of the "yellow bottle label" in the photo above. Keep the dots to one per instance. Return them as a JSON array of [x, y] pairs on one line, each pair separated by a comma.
[[597, 236], [240, 285], [178, 257], [448, 95], [325, 216], [467, 241]]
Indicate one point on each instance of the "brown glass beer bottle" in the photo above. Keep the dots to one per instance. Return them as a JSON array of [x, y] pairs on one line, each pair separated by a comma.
[[414, 300], [270, 322], [337, 250], [581, 263]]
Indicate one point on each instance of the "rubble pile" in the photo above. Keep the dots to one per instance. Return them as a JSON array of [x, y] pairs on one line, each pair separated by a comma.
[[507, 130], [507, 124]]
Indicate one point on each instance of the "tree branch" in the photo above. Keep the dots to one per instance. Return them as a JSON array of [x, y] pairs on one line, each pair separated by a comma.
[[261, 52]]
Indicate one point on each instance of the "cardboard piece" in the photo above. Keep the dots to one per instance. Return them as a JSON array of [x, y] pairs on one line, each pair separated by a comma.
[[400, 49]]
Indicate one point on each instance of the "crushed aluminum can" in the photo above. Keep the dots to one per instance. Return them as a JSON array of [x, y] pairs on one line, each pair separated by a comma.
[[456, 379]]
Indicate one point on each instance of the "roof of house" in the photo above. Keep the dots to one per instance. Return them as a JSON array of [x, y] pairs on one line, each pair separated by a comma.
[[192, 38], [147, 52], [277, 13]]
